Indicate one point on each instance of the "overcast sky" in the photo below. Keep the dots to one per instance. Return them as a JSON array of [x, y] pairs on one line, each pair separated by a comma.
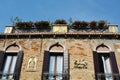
[[36, 10]]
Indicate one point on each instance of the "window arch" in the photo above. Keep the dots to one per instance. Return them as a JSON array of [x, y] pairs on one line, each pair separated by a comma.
[[105, 63], [55, 63], [56, 48], [102, 48], [10, 62], [12, 48]]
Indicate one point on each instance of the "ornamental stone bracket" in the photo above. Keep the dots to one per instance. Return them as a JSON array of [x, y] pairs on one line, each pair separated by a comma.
[[81, 64], [32, 64]]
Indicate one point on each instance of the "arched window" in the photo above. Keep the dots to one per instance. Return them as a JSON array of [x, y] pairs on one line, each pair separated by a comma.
[[105, 63], [10, 62], [55, 64]]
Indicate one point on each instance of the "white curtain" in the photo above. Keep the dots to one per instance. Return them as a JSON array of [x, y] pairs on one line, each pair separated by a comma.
[[12, 68], [9, 66], [6, 66], [107, 67], [51, 67], [58, 62], [59, 67]]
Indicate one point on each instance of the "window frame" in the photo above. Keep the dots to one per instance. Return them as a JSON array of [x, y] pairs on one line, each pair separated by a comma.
[[11, 61], [45, 70], [114, 67], [18, 65], [56, 55]]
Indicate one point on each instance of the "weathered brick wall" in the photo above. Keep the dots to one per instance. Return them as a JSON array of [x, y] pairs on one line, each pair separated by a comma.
[[78, 49]]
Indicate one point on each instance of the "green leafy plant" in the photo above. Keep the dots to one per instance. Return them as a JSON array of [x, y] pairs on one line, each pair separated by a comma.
[[76, 24], [29, 24], [15, 20], [101, 24], [84, 24], [37, 24], [24, 24], [93, 24], [42, 24], [20, 24], [45, 24], [60, 21]]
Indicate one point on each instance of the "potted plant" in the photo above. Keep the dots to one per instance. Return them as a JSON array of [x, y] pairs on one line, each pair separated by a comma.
[[60, 26], [60, 21], [93, 24], [42, 24], [76, 24], [45, 24], [101, 24], [84, 24], [29, 24], [20, 24], [37, 24]]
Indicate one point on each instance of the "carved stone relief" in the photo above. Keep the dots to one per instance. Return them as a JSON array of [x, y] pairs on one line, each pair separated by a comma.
[[81, 64], [32, 64]]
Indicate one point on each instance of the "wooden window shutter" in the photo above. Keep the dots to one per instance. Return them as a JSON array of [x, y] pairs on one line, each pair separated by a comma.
[[1, 61], [66, 65], [18, 65], [96, 63], [113, 63], [45, 63]]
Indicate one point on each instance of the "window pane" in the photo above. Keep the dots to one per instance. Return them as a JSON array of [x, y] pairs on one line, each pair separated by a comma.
[[6, 66], [52, 64], [107, 67], [59, 64], [12, 66], [59, 67], [51, 67], [55, 67]]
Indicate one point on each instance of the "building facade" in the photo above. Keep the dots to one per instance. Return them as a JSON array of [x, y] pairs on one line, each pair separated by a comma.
[[60, 54]]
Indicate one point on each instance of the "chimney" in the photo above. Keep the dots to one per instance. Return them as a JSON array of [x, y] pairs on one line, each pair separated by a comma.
[[8, 29], [113, 28]]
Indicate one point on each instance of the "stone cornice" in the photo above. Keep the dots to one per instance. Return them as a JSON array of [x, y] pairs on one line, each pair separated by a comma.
[[82, 35]]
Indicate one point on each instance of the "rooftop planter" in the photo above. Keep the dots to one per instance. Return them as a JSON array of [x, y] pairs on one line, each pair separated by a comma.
[[42, 24], [20, 24], [37, 24], [24, 24], [60, 22], [76, 24], [60, 26], [29, 24], [84, 24], [93, 24], [101, 24]]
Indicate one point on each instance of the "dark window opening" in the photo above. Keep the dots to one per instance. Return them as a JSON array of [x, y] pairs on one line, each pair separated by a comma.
[[10, 65], [56, 66], [106, 66]]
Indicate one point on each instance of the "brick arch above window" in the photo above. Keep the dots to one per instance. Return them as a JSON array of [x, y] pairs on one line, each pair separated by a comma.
[[15, 55], [102, 48], [13, 47], [56, 48]]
